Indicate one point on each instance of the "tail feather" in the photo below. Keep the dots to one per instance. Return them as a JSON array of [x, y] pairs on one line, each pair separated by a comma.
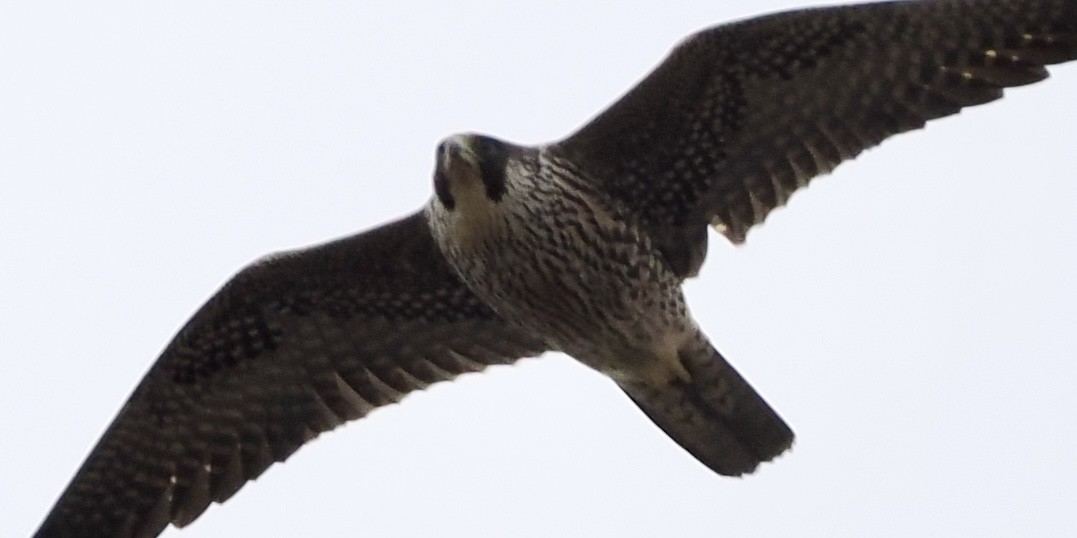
[[715, 414]]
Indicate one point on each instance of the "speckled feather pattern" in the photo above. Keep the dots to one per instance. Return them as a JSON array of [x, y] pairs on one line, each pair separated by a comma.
[[292, 346], [565, 261], [740, 116], [579, 246]]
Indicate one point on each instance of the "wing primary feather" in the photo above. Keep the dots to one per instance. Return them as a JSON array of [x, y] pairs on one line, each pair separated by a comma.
[[864, 72]]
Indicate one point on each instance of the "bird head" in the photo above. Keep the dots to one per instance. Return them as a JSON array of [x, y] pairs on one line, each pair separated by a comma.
[[470, 168]]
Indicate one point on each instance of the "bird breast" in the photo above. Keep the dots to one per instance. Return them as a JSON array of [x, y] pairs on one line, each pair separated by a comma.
[[557, 259]]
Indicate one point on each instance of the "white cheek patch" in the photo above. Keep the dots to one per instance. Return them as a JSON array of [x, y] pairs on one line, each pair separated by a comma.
[[469, 191], [474, 216]]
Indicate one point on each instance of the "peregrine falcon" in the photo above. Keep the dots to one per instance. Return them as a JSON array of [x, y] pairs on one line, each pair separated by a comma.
[[579, 246]]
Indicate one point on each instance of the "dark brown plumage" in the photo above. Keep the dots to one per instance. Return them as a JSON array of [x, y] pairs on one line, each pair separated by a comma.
[[724, 131], [740, 116], [292, 346]]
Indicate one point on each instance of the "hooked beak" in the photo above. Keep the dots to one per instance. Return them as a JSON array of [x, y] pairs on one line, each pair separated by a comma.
[[455, 158], [455, 151]]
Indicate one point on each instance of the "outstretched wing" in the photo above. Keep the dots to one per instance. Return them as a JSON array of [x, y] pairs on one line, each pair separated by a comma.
[[740, 116], [292, 346]]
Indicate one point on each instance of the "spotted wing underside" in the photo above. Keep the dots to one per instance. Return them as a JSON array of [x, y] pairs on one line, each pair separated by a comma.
[[292, 346], [740, 116]]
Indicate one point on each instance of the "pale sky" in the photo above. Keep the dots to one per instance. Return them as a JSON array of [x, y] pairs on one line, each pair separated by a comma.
[[912, 316]]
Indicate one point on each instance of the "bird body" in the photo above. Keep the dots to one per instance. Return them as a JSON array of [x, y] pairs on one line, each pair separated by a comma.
[[541, 247], [579, 246], [564, 262]]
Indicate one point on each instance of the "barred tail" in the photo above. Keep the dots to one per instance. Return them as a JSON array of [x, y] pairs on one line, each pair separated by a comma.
[[715, 415]]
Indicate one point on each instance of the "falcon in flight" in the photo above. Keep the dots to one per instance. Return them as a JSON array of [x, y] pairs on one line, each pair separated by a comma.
[[578, 246]]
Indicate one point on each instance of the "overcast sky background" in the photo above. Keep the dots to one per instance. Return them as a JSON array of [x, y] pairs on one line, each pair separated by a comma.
[[912, 315]]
